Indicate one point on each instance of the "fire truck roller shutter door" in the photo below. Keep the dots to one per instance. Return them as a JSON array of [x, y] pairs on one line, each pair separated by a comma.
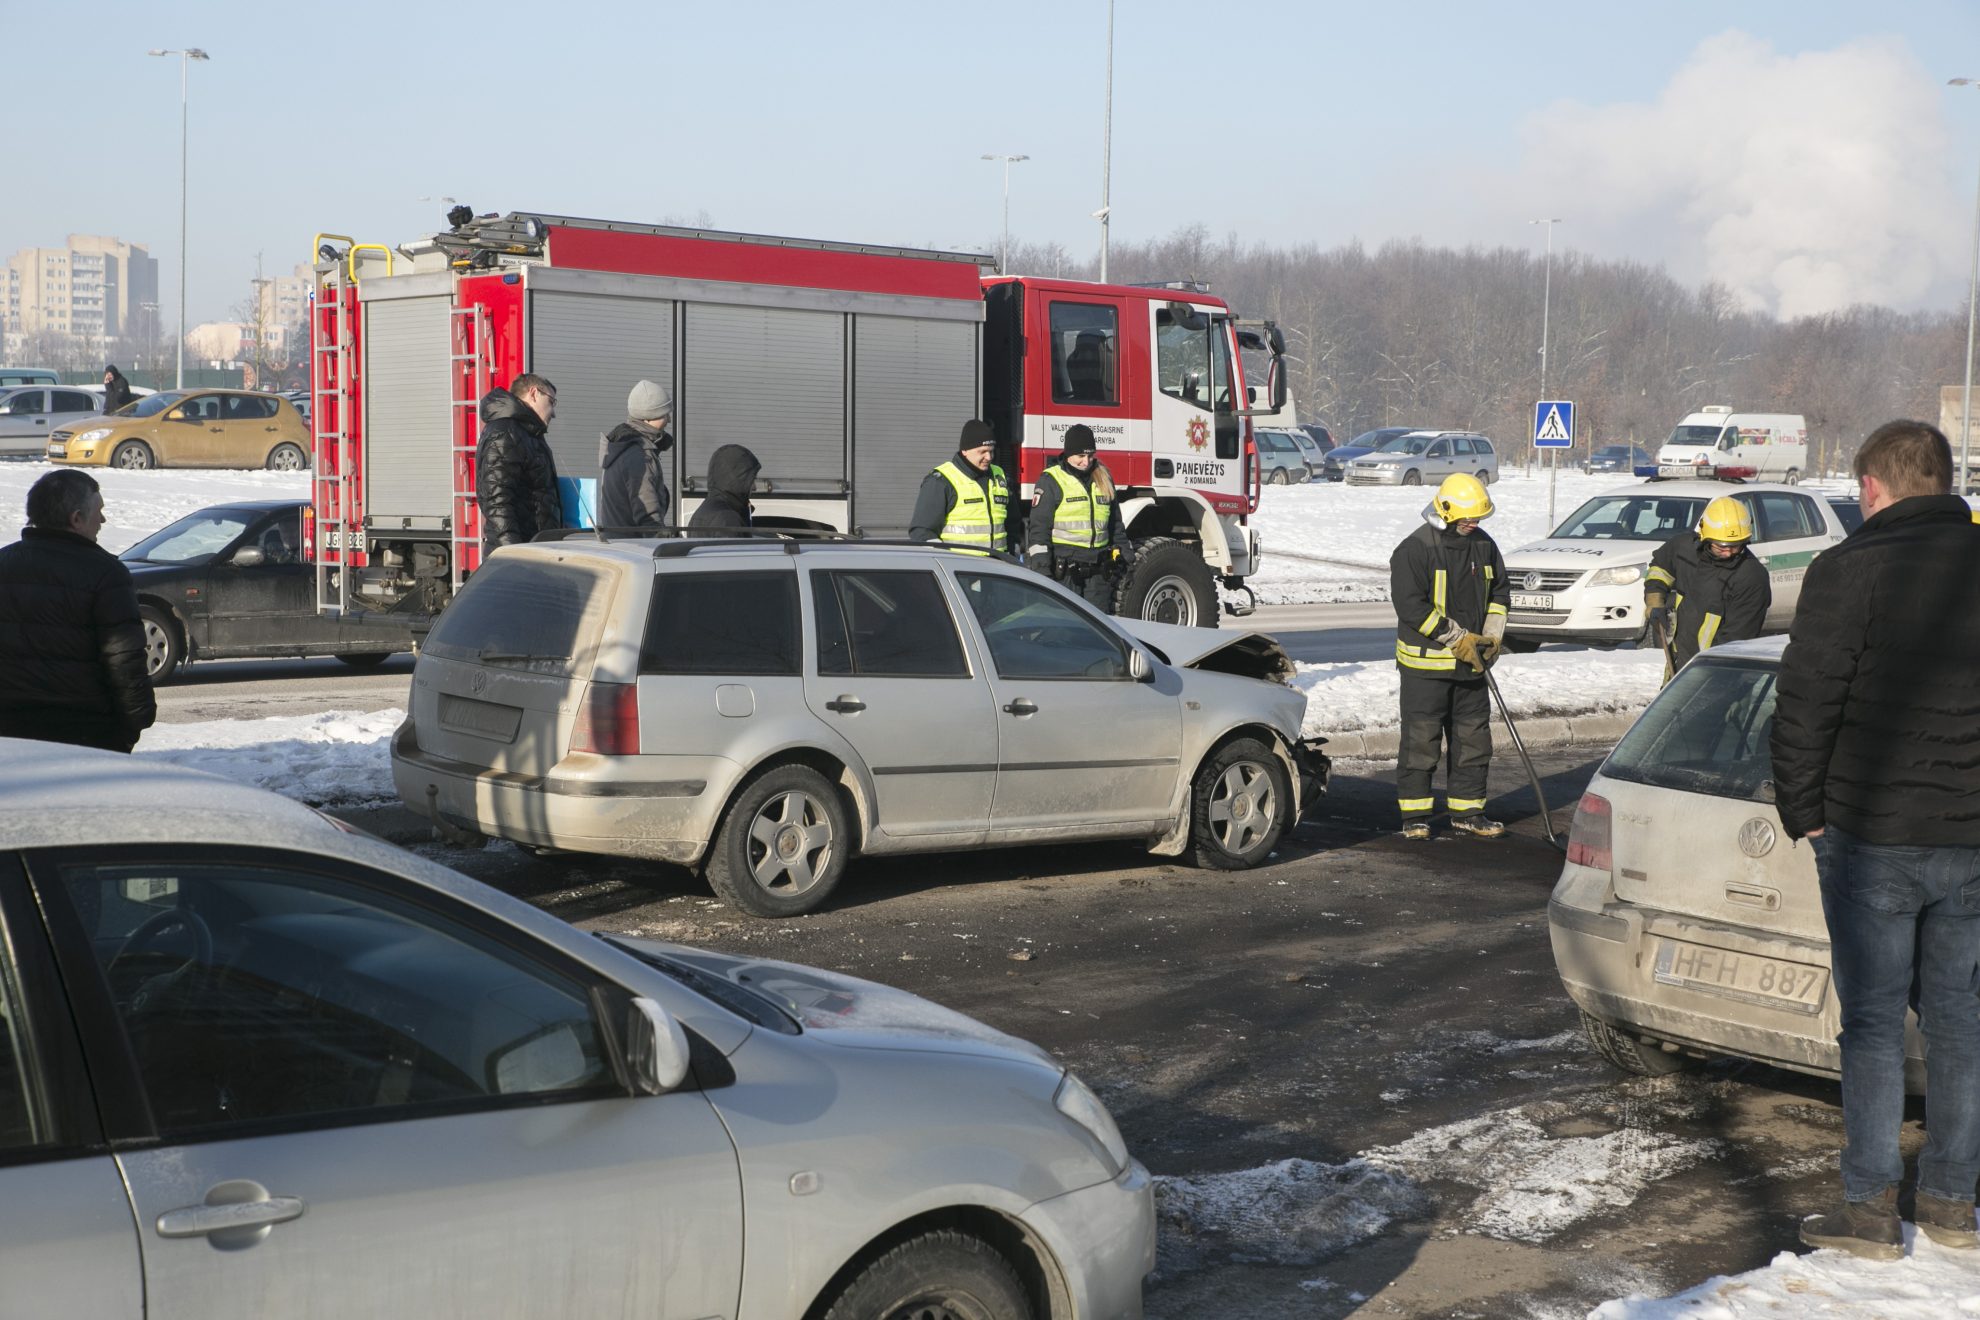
[[408, 411], [914, 383], [594, 347], [772, 379]]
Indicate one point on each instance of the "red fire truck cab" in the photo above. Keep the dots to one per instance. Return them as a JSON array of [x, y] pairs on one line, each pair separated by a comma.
[[849, 370]]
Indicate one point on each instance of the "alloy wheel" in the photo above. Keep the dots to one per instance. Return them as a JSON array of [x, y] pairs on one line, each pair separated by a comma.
[[790, 844], [1243, 807]]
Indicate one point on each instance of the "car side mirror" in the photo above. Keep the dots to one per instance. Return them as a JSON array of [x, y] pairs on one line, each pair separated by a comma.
[[1139, 668], [249, 556], [176, 415], [656, 1049], [550, 1060]]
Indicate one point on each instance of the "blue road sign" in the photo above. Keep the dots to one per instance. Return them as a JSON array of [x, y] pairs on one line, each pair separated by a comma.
[[1553, 424]]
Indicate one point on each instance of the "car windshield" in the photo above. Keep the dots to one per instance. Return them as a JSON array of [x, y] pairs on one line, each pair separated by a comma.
[[1705, 733], [152, 404], [1405, 444], [193, 539], [1631, 518], [1695, 435]]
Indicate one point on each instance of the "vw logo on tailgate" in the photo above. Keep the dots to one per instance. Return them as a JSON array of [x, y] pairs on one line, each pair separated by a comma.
[[1756, 837], [479, 683]]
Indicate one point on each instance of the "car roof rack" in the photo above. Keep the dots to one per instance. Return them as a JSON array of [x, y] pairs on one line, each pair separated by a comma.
[[676, 542]]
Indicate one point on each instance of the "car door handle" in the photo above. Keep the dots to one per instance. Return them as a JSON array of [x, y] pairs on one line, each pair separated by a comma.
[[200, 1220], [846, 704], [1020, 706]]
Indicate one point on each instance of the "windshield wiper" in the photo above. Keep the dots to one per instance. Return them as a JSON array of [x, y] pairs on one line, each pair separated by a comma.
[[485, 654]]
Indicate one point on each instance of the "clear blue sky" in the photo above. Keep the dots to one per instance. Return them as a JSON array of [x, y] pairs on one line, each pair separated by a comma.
[[1281, 122]]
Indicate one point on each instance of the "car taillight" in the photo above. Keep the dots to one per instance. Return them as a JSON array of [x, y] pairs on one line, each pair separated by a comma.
[[608, 720], [309, 534], [1589, 837]]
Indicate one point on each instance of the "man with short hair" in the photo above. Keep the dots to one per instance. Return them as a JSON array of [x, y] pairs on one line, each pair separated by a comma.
[[71, 638], [515, 475], [1075, 531], [966, 500], [632, 474], [1876, 761]]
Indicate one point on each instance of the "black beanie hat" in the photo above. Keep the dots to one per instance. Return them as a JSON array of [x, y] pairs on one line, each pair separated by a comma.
[[975, 435], [1079, 439]]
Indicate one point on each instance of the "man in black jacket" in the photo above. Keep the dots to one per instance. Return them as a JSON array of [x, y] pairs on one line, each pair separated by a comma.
[[515, 475], [116, 390], [1075, 524], [1723, 592], [1876, 761], [1448, 584], [632, 474], [71, 639], [732, 473], [966, 500]]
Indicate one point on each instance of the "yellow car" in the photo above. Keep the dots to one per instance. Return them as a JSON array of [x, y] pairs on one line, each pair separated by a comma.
[[189, 428]]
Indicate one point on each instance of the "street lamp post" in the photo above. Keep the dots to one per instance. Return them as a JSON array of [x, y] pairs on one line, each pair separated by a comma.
[[1546, 317], [1004, 260], [1972, 295], [186, 56], [1106, 211]]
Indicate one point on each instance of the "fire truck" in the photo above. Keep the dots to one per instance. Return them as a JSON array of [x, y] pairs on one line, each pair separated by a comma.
[[847, 369]]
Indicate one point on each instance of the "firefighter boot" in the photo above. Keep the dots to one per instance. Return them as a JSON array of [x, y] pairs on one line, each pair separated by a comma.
[[1870, 1229], [1948, 1223], [1478, 827], [1416, 829]]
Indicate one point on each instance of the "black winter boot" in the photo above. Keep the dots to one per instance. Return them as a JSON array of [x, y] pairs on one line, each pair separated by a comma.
[[1870, 1229]]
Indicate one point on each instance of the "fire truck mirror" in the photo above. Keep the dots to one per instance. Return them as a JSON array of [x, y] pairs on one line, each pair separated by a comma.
[[1186, 316], [1275, 378], [1278, 339]]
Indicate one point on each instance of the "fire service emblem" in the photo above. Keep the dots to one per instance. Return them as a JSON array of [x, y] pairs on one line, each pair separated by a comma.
[[1199, 433]]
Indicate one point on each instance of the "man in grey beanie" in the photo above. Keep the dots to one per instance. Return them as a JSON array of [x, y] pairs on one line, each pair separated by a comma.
[[632, 475]]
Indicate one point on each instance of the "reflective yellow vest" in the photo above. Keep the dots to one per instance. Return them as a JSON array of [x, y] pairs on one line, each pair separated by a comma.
[[971, 521], [1081, 519]]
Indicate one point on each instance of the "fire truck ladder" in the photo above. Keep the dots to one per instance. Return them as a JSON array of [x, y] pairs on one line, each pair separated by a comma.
[[473, 376], [331, 371]]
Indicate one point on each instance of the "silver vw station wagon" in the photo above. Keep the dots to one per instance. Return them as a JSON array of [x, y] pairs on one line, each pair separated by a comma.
[[766, 710]]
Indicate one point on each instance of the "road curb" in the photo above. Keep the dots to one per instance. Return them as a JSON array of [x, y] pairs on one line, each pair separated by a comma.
[[1595, 729]]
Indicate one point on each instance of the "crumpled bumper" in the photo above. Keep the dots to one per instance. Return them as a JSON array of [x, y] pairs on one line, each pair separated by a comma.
[[1314, 767]]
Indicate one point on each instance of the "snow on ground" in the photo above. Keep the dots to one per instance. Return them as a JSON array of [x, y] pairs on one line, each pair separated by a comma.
[[335, 759], [1359, 695], [1931, 1283], [136, 504]]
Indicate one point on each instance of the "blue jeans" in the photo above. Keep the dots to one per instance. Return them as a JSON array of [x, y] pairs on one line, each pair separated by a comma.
[[1897, 913]]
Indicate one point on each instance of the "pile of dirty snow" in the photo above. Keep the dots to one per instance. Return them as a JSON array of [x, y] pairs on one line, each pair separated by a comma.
[[1361, 695], [336, 759], [1930, 1283]]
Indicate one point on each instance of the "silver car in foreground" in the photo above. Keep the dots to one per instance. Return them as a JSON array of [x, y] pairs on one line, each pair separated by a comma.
[[768, 709], [253, 1064]]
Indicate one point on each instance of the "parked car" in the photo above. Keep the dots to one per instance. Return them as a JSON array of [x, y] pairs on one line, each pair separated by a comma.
[[1684, 922], [1585, 582], [1281, 461], [1319, 435], [1848, 510], [1624, 459], [1417, 457], [30, 413], [766, 710], [253, 1062], [229, 581], [1311, 450], [28, 376], [1335, 466], [190, 428]]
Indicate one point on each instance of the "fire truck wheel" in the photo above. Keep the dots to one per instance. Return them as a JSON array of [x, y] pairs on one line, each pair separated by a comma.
[[1169, 583], [132, 456], [162, 648], [286, 457]]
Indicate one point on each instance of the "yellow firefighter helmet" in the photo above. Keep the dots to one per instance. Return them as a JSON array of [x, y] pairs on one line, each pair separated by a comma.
[[1462, 496], [1727, 520]]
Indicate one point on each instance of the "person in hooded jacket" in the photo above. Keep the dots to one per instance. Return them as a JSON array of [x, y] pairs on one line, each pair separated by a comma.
[[632, 475], [71, 637], [515, 474], [116, 390], [965, 500], [732, 473], [1723, 592], [1075, 530]]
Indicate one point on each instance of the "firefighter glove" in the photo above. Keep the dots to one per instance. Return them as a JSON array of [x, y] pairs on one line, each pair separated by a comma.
[[1495, 628], [1659, 618], [1489, 648], [1466, 647]]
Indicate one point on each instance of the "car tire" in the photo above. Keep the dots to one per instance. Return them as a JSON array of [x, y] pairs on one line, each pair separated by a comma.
[[1412, 478], [133, 456], [164, 649], [1630, 1054], [367, 660], [942, 1276], [288, 457], [1793, 477], [782, 845], [1484, 478], [1239, 806], [1169, 583]]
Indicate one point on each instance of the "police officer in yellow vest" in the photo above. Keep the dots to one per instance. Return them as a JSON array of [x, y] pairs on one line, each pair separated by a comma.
[[1448, 584], [965, 501], [1075, 525]]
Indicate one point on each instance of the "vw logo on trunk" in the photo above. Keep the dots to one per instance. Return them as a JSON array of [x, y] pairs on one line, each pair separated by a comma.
[[1531, 582], [478, 684], [1756, 837]]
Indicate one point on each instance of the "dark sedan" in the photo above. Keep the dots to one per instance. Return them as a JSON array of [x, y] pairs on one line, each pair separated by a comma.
[[1334, 466], [1617, 458], [227, 583]]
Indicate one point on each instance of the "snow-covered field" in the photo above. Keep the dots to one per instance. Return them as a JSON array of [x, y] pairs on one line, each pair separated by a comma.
[[1364, 695], [1930, 1283], [136, 504]]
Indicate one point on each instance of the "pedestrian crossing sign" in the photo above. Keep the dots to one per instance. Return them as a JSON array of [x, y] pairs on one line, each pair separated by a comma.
[[1553, 424]]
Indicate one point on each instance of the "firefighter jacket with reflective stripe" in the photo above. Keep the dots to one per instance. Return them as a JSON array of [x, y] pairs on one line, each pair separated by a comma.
[[1079, 517], [979, 515], [1437, 578], [1712, 600]]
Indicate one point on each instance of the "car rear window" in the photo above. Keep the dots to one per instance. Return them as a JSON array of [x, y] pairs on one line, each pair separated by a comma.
[[1705, 733], [722, 623], [535, 614]]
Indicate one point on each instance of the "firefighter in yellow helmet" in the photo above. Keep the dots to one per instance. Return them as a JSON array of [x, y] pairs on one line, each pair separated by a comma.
[[1449, 587], [1706, 588]]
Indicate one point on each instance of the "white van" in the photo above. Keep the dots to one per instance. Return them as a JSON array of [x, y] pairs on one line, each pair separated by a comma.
[[1719, 443]]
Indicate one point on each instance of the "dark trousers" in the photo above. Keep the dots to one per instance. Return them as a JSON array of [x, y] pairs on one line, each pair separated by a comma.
[[77, 728], [1095, 581], [1439, 715]]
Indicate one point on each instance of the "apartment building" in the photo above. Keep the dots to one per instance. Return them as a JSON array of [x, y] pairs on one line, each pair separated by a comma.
[[96, 287]]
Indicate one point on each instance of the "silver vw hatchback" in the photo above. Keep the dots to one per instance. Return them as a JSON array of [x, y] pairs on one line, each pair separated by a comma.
[[766, 710], [252, 1064]]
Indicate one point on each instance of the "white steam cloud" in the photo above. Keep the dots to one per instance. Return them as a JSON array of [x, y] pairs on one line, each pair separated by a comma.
[[1803, 182]]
